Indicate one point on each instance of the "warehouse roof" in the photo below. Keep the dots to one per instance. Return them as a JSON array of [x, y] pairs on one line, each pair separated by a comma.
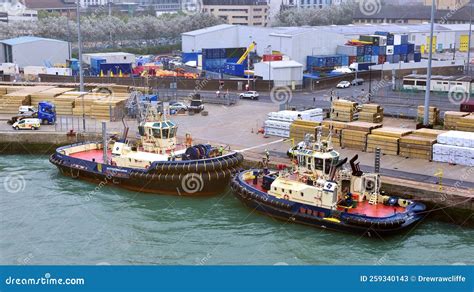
[[209, 29], [26, 39], [49, 4]]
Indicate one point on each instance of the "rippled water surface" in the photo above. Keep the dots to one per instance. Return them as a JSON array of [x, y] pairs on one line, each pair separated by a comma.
[[50, 219]]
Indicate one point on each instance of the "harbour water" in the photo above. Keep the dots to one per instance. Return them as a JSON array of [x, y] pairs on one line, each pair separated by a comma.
[[50, 219]]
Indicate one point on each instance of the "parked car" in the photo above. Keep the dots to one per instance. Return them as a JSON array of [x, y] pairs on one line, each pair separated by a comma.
[[343, 84], [178, 106], [26, 109], [253, 95], [357, 81], [196, 106], [24, 124]]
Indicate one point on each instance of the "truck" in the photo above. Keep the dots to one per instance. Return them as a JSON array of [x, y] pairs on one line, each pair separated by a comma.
[[467, 107], [360, 66], [46, 113]]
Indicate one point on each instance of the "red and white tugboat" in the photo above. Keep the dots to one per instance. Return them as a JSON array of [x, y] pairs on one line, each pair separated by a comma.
[[321, 192], [156, 164]]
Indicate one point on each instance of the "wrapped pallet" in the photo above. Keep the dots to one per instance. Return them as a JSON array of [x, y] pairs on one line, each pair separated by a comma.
[[451, 118], [299, 129], [455, 147], [335, 129], [371, 113], [343, 110], [433, 114], [466, 123]]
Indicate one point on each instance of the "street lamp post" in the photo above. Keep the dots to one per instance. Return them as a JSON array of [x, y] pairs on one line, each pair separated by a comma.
[[469, 42], [269, 68], [81, 73], [426, 114]]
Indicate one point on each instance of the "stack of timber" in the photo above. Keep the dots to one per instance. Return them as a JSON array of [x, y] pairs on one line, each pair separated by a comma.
[[419, 144], [386, 139], [108, 108], [48, 95], [433, 114], [371, 113], [451, 119], [299, 129], [10, 102], [343, 111], [334, 128], [354, 136], [84, 103], [66, 102], [466, 123]]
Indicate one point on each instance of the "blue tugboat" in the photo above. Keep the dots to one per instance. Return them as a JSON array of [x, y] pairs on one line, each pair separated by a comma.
[[319, 191]]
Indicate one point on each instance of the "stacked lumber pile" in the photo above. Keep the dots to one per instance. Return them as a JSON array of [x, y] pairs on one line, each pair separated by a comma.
[[335, 128], [386, 139], [84, 103], [343, 110], [466, 123], [10, 102], [48, 95], [419, 144], [354, 136], [433, 114], [371, 113], [451, 118], [300, 128], [108, 108]]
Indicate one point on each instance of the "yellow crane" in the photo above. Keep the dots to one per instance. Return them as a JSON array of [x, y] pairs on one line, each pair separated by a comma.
[[250, 48]]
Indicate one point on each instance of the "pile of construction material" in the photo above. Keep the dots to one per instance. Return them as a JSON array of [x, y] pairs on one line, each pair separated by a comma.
[[386, 139], [419, 144], [279, 123], [354, 136], [83, 104], [371, 113], [299, 129], [109, 108], [334, 128], [343, 111], [455, 147], [433, 114], [48, 95], [466, 123], [16, 97], [66, 102], [451, 119]]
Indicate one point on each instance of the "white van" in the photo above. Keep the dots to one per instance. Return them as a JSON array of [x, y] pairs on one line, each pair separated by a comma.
[[26, 109], [31, 124]]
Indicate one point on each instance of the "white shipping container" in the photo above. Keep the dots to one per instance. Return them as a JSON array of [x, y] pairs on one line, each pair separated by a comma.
[[59, 71], [390, 50], [397, 39]]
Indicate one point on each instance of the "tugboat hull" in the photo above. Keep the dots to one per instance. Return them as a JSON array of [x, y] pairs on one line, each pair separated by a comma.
[[187, 178], [323, 218]]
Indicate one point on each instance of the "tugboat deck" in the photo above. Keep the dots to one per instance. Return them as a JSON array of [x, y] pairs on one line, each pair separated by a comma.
[[91, 155], [363, 208]]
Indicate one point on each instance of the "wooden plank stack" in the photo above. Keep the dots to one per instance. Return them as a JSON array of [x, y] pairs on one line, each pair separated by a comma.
[[386, 139], [48, 95], [336, 128], [108, 108], [419, 144], [84, 103], [466, 123], [354, 136], [451, 118], [10, 102], [300, 128], [433, 114], [371, 113], [343, 110]]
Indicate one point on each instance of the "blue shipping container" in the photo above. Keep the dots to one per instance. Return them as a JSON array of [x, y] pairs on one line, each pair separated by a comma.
[[187, 57], [403, 58], [396, 58], [404, 39], [397, 50], [389, 59], [367, 58], [368, 50], [116, 68], [345, 61], [417, 56], [234, 69], [382, 50], [411, 48], [375, 50], [403, 49], [213, 53], [360, 50]]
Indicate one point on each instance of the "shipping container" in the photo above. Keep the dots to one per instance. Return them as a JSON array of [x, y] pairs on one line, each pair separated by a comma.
[[417, 56], [360, 59], [400, 39], [115, 68], [186, 57], [370, 39], [345, 60], [368, 58], [403, 58], [382, 50], [403, 49], [368, 50], [95, 65], [381, 59], [375, 50], [375, 59], [382, 40], [267, 58], [410, 57], [347, 50], [213, 54], [352, 59], [389, 59], [396, 58], [234, 69], [397, 49], [411, 48], [360, 50]]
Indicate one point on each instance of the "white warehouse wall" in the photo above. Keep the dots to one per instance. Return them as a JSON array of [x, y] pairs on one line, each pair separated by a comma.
[[37, 52], [226, 37]]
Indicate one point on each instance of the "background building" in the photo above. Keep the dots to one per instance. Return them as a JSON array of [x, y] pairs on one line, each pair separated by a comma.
[[240, 12], [63, 7], [11, 11], [34, 51], [447, 4]]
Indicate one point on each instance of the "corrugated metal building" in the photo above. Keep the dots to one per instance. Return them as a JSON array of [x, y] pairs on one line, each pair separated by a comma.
[[283, 73], [34, 51]]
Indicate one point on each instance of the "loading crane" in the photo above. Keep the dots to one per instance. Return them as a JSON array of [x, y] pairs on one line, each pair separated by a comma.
[[250, 48]]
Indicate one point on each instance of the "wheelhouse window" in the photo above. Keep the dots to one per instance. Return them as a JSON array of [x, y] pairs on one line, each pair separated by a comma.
[[318, 164], [327, 166], [157, 133]]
